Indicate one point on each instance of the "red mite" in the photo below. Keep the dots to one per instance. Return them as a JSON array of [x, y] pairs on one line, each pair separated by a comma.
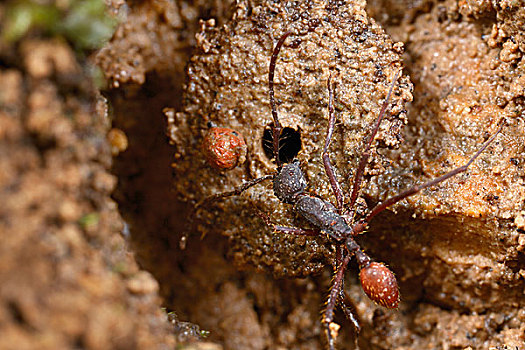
[[224, 148]]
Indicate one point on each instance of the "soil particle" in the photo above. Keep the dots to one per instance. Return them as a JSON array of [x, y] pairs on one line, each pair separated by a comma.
[[44, 58], [118, 141]]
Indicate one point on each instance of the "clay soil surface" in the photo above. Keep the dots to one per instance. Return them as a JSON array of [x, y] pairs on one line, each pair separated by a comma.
[[98, 185]]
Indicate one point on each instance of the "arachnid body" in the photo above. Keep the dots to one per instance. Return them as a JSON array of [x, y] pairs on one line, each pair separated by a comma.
[[339, 221]]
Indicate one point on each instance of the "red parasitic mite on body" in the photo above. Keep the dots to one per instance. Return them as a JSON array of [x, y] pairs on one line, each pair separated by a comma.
[[223, 148], [339, 222]]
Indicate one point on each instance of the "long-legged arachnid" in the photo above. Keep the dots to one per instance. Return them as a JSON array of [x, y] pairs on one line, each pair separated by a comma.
[[290, 185]]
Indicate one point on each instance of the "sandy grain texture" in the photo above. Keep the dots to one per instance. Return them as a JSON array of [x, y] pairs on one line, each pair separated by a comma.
[[68, 278]]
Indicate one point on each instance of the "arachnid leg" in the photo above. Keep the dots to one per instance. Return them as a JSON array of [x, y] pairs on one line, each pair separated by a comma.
[[235, 192], [209, 200], [336, 188], [358, 176], [285, 229], [413, 190], [329, 169], [348, 311], [331, 328]]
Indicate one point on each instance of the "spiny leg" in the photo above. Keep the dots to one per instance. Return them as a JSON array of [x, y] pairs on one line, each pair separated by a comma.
[[210, 199], [349, 313], [285, 229], [358, 177], [341, 253], [331, 328], [377, 280], [326, 156], [276, 126], [361, 225], [235, 192]]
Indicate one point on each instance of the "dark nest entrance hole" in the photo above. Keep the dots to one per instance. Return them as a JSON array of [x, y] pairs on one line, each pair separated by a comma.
[[289, 143]]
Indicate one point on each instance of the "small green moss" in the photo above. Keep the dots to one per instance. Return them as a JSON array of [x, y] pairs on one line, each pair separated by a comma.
[[21, 16], [120, 267], [84, 23], [87, 24], [97, 76], [89, 220]]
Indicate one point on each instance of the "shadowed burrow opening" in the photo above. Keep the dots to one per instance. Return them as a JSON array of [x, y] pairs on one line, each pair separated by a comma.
[[289, 143]]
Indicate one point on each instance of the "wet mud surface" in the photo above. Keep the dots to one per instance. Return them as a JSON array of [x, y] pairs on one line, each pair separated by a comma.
[[457, 249]]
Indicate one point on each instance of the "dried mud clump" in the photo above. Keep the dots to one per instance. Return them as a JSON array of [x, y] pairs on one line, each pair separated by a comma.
[[154, 36], [228, 86]]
